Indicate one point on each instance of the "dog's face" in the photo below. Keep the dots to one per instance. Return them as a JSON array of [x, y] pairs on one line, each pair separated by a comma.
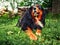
[[37, 11]]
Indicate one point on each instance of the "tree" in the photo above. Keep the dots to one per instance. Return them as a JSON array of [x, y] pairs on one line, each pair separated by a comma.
[[56, 6]]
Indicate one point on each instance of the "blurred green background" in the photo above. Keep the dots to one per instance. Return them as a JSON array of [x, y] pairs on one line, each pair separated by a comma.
[[12, 35]]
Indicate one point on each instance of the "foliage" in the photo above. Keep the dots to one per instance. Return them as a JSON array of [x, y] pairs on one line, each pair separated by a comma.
[[12, 35], [44, 3], [21, 3]]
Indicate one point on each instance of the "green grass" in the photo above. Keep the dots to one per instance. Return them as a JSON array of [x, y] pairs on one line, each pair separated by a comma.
[[12, 35]]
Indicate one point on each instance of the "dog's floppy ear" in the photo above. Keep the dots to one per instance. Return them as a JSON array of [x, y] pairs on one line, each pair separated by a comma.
[[30, 9], [40, 7], [43, 14], [44, 10], [27, 13]]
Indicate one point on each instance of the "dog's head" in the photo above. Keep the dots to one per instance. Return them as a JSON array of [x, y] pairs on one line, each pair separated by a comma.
[[36, 11]]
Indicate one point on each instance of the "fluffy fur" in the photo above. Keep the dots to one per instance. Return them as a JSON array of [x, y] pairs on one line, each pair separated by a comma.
[[28, 20]]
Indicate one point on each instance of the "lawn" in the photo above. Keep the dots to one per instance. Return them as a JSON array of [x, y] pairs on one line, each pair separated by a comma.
[[12, 35]]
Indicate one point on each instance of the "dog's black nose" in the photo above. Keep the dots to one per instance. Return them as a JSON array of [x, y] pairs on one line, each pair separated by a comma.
[[34, 11]]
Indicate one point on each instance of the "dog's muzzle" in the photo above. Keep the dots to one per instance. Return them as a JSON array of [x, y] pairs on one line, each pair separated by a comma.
[[35, 13]]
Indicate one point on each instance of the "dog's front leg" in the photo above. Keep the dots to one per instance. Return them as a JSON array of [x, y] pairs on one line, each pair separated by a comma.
[[30, 34]]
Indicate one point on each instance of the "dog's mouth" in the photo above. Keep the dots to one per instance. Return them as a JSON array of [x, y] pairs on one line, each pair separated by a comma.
[[36, 14]]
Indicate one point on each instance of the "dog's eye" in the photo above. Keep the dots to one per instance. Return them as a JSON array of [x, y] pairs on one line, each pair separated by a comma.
[[34, 8]]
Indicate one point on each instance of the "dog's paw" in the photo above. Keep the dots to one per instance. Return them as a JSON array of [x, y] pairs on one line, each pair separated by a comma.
[[33, 37], [38, 32]]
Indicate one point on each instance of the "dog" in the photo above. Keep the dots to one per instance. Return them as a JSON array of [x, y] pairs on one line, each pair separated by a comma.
[[33, 18]]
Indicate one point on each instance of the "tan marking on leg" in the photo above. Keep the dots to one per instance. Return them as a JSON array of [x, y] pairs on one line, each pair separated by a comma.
[[30, 34]]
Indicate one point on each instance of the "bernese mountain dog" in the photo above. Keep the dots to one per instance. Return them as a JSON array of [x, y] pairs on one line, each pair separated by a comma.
[[33, 18]]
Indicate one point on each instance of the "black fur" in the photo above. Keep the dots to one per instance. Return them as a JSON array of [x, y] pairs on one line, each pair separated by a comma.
[[27, 20]]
